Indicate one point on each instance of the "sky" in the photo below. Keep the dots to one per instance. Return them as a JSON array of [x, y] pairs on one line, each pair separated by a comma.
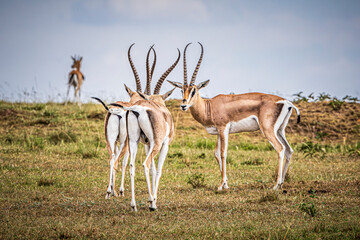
[[277, 47]]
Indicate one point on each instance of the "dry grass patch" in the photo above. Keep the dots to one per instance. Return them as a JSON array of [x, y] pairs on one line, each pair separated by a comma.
[[53, 180]]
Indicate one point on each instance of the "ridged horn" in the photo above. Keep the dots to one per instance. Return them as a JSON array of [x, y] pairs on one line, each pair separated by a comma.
[[153, 66], [162, 78], [149, 73], [137, 79], [185, 69], [197, 66]]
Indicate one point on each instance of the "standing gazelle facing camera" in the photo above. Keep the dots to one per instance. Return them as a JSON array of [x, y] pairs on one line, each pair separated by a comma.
[[76, 78], [224, 114]]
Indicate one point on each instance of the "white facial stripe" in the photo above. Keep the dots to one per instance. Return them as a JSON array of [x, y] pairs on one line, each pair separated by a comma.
[[190, 95]]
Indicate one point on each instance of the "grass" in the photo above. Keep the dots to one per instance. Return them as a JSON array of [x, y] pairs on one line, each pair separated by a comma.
[[54, 175]]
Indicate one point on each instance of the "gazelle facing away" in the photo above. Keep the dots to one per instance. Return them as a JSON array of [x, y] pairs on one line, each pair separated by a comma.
[[116, 130], [116, 144], [76, 78], [150, 122], [224, 114], [136, 131]]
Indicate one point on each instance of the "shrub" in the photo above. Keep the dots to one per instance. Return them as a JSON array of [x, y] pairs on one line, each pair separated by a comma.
[[313, 150], [196, 180], [336, 104], [308, 207], [323, 96]]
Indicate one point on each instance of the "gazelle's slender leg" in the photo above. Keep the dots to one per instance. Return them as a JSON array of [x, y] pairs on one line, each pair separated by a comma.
[[288, 154], [114, 193], [114, 162], [280, 149], [111, 176], [123, 170], [224, 137], [218, 152], [77, 94], [67, 94], [162, 156], [134, 138], [152, 167], [133, 150], [288, 149], [153, 151]]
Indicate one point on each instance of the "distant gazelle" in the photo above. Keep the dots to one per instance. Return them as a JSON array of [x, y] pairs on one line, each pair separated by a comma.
[[76, 78], [224, 114]]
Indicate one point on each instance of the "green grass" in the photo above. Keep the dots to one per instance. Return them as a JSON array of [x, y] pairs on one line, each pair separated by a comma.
[[54, 174]]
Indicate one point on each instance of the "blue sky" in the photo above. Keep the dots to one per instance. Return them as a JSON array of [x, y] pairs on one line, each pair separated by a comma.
[[280, 47]]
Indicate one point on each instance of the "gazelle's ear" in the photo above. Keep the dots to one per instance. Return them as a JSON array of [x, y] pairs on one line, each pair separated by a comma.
[[143, 95], [176, 84], [167, 94], [128, 90], [202, 84], [72, 58], [80, 59]]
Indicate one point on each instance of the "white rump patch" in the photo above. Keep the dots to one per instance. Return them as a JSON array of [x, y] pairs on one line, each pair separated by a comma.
[[117, 111]]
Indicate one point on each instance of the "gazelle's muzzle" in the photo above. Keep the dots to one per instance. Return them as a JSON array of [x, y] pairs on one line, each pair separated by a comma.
[[184, 106]]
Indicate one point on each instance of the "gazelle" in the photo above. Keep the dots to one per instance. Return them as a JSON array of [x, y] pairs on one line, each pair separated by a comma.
[[224, 114], [150, 122], [76, 78], [116, 130], [116, 144]]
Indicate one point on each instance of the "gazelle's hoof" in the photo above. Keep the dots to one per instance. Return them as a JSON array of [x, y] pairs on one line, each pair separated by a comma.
[[133, 208], [107, 195], [277, 187], [121, 193], [152, 209], [223, 186]]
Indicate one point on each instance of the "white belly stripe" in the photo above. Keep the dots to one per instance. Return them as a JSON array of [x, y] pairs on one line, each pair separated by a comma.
[[248, 124]]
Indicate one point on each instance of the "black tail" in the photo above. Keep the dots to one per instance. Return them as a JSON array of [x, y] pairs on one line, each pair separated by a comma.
[[98, 99], [298, 118]]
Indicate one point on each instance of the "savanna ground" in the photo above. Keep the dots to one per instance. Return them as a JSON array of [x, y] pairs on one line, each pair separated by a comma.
[[54, 173]]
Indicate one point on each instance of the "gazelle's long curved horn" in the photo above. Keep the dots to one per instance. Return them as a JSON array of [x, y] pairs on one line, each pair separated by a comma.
[[197, 66], [162, 78], [149, 73], [153, 66], [185, 69], [137, 79]]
